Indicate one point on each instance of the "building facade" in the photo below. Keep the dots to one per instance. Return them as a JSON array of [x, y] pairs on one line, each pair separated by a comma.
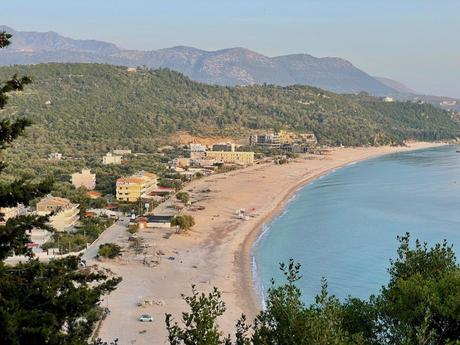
[[134, 187], [242, 158], [271, 140], [110, 158], [63, 213], [11, 212], [226, 147], [84, 179]]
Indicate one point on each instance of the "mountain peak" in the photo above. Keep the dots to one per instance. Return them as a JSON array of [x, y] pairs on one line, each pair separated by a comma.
[[230, 66]]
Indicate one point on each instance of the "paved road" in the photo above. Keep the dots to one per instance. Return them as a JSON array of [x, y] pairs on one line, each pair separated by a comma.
[[109, 235]]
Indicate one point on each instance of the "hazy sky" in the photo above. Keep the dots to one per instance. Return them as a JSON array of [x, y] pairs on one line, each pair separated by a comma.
[[413, 41]]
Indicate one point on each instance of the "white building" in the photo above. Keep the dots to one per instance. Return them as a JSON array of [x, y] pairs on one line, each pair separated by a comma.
[[84, 179], [110, 158], [56, 156]]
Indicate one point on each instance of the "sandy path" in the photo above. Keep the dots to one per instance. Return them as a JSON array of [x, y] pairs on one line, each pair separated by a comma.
[[217, 251]]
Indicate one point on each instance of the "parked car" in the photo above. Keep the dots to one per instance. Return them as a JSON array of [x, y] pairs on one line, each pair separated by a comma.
[[146, 318]]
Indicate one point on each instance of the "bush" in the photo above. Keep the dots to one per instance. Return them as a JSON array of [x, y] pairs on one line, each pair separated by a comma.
[[109, 250], [183, 221], [183, 196]]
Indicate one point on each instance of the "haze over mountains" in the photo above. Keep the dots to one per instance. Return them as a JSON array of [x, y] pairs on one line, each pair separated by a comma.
[[233, 66]]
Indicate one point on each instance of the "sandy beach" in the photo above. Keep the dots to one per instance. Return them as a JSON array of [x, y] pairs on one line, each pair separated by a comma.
[[217, 251]]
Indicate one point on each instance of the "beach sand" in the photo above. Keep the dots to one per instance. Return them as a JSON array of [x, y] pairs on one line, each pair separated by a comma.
[[217, 251]]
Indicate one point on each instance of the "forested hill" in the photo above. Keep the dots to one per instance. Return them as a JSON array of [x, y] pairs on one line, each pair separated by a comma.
[[77, 105]]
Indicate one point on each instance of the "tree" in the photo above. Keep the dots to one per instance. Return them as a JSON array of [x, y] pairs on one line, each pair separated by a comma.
[[183, 196], [419, 306], [54, 303], [200, 325], [109, 250], [287, 321], [421, 303], [183, 221]]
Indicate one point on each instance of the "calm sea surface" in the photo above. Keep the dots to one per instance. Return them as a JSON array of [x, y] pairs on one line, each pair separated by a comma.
[[344, 226]]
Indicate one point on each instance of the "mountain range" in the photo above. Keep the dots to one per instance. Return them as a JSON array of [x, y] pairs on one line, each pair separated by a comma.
[[233, 66], [227, 67]]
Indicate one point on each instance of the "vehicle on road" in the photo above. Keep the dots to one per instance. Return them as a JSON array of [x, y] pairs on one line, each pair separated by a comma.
[[146, 318]]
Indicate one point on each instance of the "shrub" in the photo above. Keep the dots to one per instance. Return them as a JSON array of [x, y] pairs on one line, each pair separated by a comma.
[[109, 250]]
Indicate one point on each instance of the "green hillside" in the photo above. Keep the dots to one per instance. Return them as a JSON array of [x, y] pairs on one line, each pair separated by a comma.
[[97, 107]]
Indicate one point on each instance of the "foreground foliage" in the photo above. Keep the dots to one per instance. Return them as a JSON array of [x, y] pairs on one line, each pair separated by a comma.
[[53, 303], [420, 305]]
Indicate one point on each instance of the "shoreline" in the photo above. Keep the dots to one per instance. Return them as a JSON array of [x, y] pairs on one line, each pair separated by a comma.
[[245, 255], [217, 251]]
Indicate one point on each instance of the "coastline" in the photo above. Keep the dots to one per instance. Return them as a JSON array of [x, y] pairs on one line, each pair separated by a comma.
[[217, 252], [245, 255]]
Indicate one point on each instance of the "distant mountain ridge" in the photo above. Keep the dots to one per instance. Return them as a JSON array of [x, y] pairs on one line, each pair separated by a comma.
[[233, 66]]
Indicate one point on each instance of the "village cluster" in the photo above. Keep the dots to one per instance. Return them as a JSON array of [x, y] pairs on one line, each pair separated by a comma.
[[142, 191]]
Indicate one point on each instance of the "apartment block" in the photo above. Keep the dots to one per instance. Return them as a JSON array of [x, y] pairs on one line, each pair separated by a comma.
[[241, 158], [63, 213], [134, 187]]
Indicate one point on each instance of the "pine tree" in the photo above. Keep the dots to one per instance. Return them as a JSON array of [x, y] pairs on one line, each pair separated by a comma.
[[54, 303]]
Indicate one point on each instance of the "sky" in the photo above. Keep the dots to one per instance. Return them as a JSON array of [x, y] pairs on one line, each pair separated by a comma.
[[413, 41]]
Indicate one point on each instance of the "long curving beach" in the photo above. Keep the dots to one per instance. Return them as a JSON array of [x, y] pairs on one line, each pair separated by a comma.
[[217, 251]]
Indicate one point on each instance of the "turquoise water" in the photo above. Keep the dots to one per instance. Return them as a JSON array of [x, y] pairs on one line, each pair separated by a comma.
[[343, 226]]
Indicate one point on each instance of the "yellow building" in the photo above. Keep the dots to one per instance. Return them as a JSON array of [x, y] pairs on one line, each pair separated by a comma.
[[243, 158], [136, 186]]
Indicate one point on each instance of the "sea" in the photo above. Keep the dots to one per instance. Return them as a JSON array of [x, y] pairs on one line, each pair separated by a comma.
[[344, 226]]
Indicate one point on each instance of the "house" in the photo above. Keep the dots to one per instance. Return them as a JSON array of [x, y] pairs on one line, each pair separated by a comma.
[[110, 158], [151, 221], [84, 179], [134, 187], [162, 191], [55, 156], [241, 158], [121, 152], [388, 99], [197, 151], [226, 147], [197, 147], [181, 162], [63, 213], [93, 194], [10, 212]]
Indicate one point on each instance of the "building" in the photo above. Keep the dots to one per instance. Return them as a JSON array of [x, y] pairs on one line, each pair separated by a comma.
[[94, 195], [242, 158], [63, 214], [271, 140], [285, 140], [10, 212], [151, 221], [121, 152], [180, 162], [388, 99], [134, 187], [55, 156], [197, 147], [110, 158], [84, 179], [226, 147], [292, 138], [197, 151]]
